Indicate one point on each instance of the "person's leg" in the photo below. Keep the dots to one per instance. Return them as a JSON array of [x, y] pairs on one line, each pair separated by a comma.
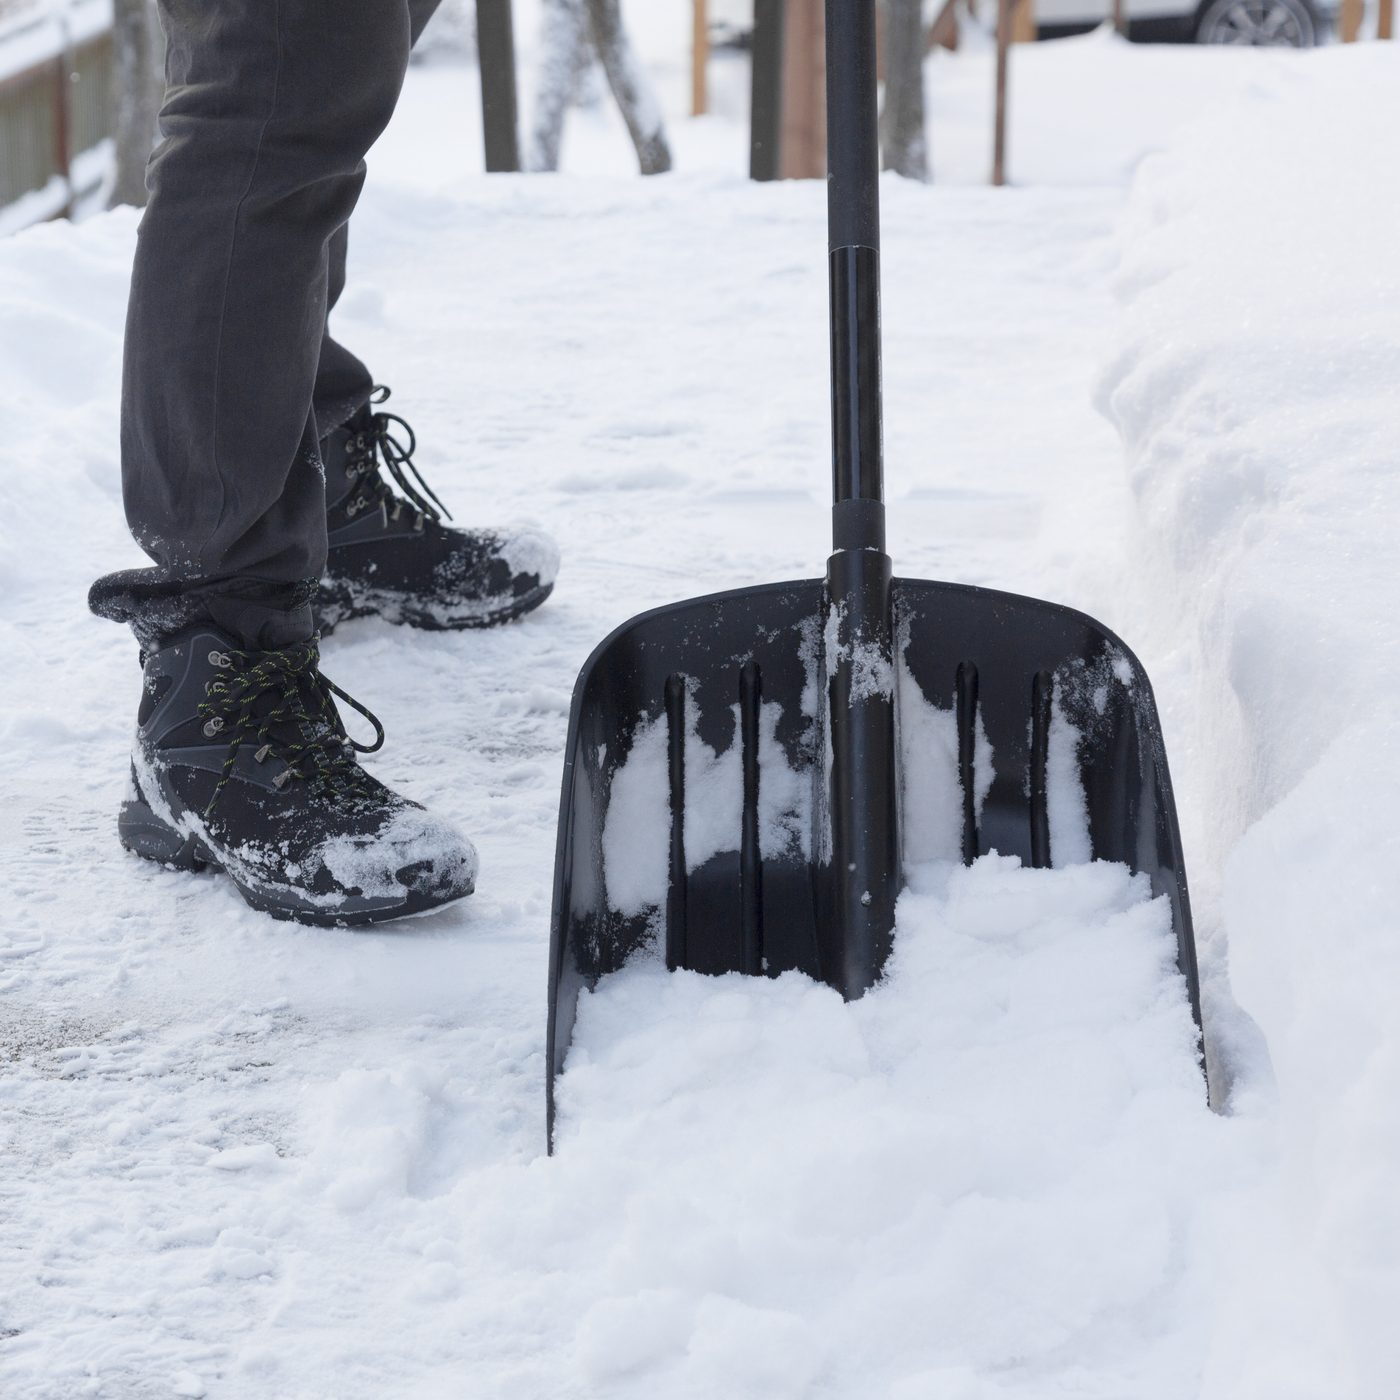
[[390, 555], [241, 759], [270, 108], [343, 383]]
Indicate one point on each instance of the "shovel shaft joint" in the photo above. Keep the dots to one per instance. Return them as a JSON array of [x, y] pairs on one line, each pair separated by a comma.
[[856, 445]]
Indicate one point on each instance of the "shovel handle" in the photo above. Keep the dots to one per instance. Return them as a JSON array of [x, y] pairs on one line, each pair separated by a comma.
[[853, 240], [852, 126]]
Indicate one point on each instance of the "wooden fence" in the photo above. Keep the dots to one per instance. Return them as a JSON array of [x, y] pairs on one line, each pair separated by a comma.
[[55, 109]]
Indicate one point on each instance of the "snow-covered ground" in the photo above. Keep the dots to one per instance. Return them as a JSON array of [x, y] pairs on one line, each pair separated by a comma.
[[244, 1159]]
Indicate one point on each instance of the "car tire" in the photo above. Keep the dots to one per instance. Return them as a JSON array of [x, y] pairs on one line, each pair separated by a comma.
[[1259, 23]]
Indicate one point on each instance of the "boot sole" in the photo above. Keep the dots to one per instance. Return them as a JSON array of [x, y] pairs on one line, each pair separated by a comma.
[[332, 611], [145, 834]]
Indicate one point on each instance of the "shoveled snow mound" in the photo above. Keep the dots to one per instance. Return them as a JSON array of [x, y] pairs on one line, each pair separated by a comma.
[[1258, 389], [990, 1166]]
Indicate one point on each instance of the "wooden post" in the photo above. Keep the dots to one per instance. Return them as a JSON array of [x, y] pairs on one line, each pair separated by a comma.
[[699, 58], [495, 49], [1349, 20], [766, 91], [62, 127], [999, 134], [1385, 20], [1120, 18], [802, 147], [1023, 23]]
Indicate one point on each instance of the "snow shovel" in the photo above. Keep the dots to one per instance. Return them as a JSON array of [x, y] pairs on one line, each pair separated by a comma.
[[747, 772]]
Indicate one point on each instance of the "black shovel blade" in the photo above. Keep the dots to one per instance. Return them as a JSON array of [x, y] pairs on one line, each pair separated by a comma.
[[696, 774]]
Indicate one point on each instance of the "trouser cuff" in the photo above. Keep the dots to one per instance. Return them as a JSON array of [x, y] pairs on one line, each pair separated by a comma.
[[259, 614]]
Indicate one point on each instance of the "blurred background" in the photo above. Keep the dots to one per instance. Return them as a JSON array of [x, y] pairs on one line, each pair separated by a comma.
[[606, 86]]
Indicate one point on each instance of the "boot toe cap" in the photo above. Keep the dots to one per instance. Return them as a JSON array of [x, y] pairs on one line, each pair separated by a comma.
[[414, 855], [530, 554]]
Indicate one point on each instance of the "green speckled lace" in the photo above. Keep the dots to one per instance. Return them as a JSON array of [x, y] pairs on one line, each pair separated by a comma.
[[302, 702]]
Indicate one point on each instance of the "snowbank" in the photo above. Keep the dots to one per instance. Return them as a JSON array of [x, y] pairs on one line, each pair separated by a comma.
[[1257, 386]]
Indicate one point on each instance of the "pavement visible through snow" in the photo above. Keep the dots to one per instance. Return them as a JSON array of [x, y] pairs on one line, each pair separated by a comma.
[[247, 1159]]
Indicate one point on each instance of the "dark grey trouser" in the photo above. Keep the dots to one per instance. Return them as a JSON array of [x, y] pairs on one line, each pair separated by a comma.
[[231, 376]]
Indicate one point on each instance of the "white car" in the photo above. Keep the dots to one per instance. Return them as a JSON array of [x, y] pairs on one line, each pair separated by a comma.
[[1297, 24]]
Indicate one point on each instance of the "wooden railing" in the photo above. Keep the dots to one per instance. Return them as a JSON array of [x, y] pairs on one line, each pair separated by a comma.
[[55, 110]]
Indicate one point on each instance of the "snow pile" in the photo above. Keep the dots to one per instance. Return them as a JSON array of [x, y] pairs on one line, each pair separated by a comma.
[[1258, 389], [982, 1179]]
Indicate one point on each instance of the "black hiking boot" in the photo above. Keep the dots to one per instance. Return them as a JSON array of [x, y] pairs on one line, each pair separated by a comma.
[[241, 762], [391, 556]]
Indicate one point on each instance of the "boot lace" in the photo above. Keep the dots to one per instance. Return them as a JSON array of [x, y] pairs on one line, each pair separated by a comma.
[[280, 701], [374, 448]]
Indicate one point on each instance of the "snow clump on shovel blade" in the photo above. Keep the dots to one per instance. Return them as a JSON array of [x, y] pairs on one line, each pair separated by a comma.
[[637, 828]]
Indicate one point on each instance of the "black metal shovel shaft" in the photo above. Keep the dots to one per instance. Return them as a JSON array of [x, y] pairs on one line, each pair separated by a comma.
[[856, 923], [853, 242]]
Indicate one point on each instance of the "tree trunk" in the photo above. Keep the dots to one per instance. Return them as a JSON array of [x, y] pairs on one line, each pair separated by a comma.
[[630, 88], [943, 32], [565, 54], [138, 84], [902, 122]]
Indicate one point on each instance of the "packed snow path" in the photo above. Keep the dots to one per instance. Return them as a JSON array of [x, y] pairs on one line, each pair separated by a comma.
[[308, 1163], [246, 1159]]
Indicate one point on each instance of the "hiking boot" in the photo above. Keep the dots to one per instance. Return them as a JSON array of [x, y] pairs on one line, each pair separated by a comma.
[[391, 556], [241, 763]]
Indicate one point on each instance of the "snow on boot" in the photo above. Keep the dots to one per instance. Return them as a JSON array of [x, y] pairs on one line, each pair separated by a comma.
[[391, 556], [241, 762]]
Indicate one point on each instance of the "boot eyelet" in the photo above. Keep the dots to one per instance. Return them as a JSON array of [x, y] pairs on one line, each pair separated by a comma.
[[212, 727], [221, 659]]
